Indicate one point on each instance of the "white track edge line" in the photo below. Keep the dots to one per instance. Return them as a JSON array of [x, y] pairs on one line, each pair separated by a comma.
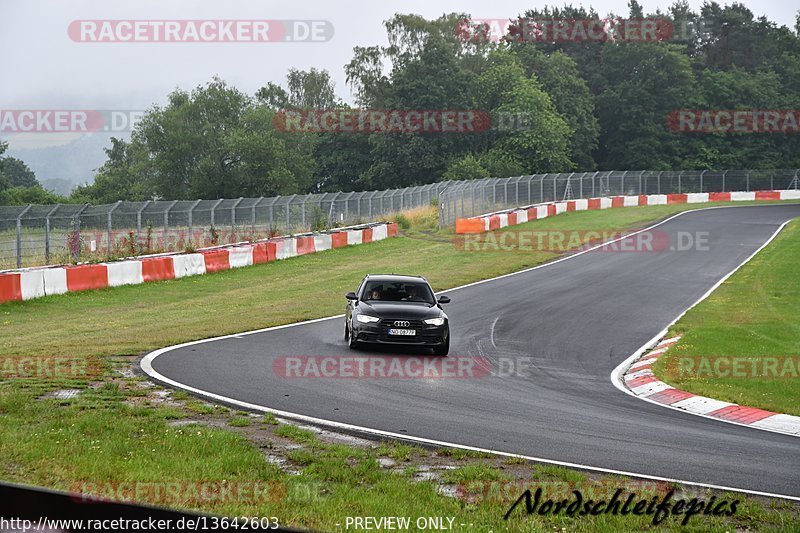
[[146, 366], [618, 373]]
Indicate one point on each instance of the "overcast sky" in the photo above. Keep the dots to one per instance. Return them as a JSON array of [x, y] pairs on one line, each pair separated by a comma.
[[44, 69]]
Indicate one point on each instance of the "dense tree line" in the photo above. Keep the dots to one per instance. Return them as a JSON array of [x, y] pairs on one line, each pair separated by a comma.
[[587, 106], [18, 183]]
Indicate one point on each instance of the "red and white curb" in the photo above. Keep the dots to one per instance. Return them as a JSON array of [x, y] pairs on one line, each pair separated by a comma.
[[27, 284], [641, 381]]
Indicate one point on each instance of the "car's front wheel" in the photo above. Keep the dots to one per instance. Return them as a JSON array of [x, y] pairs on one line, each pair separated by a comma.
[[442, 349], [348, 337]]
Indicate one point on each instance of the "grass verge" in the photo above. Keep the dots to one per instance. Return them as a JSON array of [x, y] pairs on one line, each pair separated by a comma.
[[121, 429], [742, 344]]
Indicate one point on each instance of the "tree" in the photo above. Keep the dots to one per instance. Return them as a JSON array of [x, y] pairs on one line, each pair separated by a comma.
[[17, 172], [188, 146], [543, 145], [570, 93], [29, 195], [4, 182], [124, 175], [642, 83], [466, 168], [311, 89], [433, 80]]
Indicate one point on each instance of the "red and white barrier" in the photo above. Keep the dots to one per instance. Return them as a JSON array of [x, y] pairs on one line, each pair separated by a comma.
[[125, 273], [37, 282], [499, 220]]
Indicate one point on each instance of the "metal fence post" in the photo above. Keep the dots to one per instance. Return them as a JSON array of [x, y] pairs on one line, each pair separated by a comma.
[[191, 222], [288, 221], [723, 181], [47, 234], [640, 181], [76, 227], [139, 221], [541, 188], [19, 235], [658, 179], [253, 216], [622, 184], [166, 224], [233, 218], [703, 173], [594, 195], [772, 181], [679, 181], [747, 177], [271, 213], [110, 228]]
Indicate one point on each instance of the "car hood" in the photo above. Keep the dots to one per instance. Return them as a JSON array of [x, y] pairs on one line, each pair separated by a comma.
[[399, 310]]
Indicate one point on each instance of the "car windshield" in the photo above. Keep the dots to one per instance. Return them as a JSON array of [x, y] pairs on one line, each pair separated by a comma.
[[398, 292]]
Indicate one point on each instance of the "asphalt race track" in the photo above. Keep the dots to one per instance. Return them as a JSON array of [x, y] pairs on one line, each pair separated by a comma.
[[577, 319]]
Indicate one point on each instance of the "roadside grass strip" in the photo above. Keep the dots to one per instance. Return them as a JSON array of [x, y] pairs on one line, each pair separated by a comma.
[[741, 346]]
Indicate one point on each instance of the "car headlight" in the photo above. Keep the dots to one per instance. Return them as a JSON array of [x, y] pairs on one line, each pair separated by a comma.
[[366, 319], [435, 321]]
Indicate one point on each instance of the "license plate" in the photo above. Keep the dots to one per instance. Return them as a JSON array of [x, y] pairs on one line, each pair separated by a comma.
[[402, 332]]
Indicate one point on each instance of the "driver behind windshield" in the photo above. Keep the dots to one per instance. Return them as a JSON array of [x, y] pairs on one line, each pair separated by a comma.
[[412, 293]]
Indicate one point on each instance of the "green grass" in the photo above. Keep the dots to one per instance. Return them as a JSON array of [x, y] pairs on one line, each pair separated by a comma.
[[303, 436], [240, 421], [753, 315], [114, 432], [458, 453]]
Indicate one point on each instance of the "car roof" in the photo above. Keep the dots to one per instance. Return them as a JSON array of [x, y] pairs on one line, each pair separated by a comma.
[[396, 277]]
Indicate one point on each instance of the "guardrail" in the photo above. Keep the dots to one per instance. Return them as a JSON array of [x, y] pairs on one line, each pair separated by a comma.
[[27, 284], [520, 215], [471, 198], [36, 235]]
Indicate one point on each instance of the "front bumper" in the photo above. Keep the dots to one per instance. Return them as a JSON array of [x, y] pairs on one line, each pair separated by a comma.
[[378, 333]]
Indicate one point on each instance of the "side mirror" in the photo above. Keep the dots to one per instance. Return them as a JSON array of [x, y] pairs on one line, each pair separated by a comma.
[[351, 296], [444, 300]]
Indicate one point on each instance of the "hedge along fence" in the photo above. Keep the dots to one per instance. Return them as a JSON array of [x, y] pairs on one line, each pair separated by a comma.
[[511, 217], [32, 283]]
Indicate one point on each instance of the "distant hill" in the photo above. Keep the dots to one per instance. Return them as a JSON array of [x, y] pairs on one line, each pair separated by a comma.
[[61, 168]]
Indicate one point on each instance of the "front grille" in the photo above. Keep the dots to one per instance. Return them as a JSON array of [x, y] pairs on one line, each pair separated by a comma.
[[412, 324], [426, 333]]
